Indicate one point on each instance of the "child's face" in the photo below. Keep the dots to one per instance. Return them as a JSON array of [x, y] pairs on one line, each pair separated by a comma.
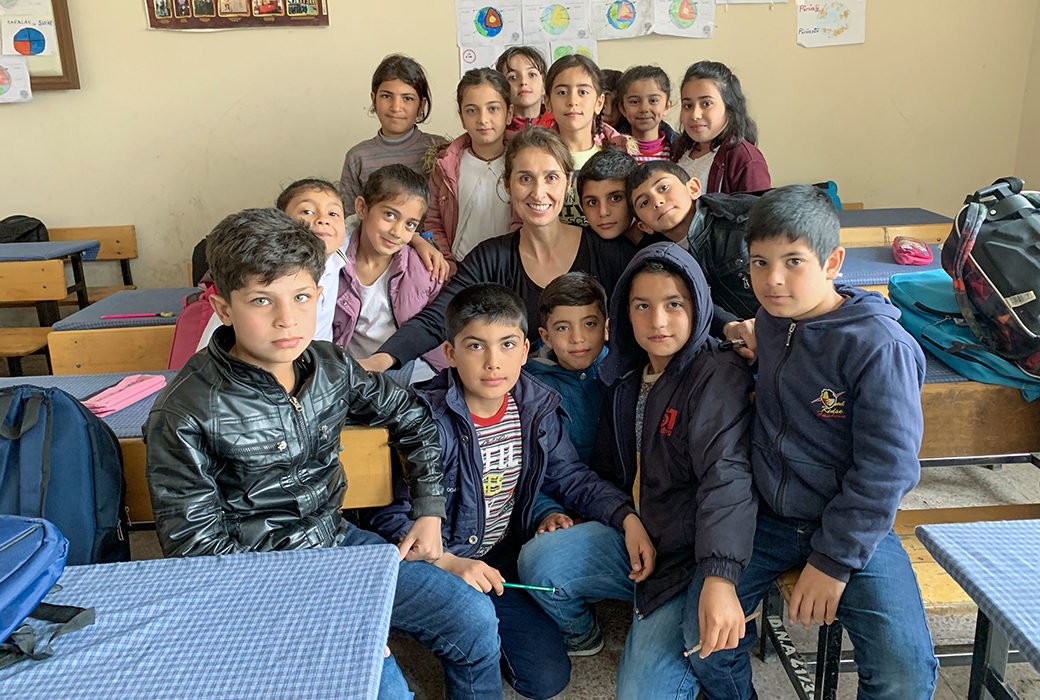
[[576, 334], [484, 115], [573, 100], [526, 84], [323, 212], [703, 111], [274, 323], [397, 105], [388, 226], [488, 357], [537, 186], [789, 280], [611, 113], [644, 106], [663, 201], [605, 206], [661, 312]]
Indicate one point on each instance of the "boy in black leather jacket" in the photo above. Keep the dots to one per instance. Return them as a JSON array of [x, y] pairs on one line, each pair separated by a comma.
[[243, 445]]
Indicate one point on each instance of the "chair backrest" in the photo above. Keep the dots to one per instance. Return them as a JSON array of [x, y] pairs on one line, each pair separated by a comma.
[[117, 242]]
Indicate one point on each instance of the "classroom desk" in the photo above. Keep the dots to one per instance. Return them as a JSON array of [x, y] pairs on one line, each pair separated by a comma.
[[364, 454], [36, 272], [998, 565], [85, 343], [871, 267], [879, 227], [298, 624]]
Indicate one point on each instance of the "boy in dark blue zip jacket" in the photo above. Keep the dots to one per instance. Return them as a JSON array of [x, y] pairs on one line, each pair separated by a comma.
[[837, 430], [504, 443]]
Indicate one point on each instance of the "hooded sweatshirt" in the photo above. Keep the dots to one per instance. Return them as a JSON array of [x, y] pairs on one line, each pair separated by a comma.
[[696, 496], [838, 424]]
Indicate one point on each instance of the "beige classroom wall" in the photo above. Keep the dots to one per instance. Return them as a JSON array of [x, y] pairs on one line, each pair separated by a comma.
[[1028, 163], [172, 131]]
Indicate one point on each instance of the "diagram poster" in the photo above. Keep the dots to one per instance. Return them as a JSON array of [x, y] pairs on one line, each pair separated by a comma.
[[566, 48], [547, 21], [14, 80], [747, 2], [621, 19], [234, 14], [832, 23], [480, 24], [25, 7], [690, 18], [27, 36]]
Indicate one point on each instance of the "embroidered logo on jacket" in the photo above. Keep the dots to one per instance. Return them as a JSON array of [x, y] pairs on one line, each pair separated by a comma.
[[830, 406], [668, 421]]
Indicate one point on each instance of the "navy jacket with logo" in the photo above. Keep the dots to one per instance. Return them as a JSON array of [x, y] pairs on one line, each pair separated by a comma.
[[838, 423], [696, 497], [550, 464]]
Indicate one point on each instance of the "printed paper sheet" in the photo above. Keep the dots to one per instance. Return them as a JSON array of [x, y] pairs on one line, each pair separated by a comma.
[[690, 18], [832, 23], [621, 19], [25, 7], [14, 80], [566, 48], [547, 21], [488, 23], [24, 35]]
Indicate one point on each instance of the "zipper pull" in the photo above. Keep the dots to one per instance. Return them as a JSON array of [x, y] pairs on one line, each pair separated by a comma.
[[295, 403], [744, 279], [790, 332]]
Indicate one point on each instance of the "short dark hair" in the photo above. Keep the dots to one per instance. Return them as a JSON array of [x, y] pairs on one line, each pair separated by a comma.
[[572, 289], [394, 181], [796, 212], [609, 78], [475, 77], [644, 171], [533, 56], [635, 73], [543, 139], [397, 66], [488, 302], [305, 185], [608, 164], [264, 243], [658, 267]]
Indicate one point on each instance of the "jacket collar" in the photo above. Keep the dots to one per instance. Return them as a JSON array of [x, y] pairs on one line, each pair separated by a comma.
[[219, 348], [545, 361], [444, 393]]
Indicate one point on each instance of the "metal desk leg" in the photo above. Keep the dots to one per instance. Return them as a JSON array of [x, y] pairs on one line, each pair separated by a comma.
[[79, 282], [989, 663], [47, 312]]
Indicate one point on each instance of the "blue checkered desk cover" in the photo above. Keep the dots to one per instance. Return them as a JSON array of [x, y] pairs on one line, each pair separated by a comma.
[[305, 624], [125, 423], [875, 265], [998, 565], [129, 301], [48, 250]]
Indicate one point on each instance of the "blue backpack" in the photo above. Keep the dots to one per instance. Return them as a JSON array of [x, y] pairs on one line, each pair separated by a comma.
[[32, 558], [931, 314], [61, 462]]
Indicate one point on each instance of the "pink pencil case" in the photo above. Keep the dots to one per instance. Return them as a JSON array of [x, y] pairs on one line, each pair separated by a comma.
[[129, 391], [911, 251]]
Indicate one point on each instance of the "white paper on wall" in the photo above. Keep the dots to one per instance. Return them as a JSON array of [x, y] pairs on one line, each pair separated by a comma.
[[690, 18], [14, 80], [488, 22], [748, 2], [566, 48], [25, 7], [546, 21], [620, 19], [832, 23], [22, 35]]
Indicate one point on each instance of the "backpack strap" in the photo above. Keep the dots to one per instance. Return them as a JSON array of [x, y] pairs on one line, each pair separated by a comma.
[[22, 644], [974, 217], [31, 490]]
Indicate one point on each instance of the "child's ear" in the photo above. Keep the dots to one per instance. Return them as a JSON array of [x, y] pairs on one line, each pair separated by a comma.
[[600, 101], [527, 349], [221, 307], [667, 107], [606, 330], [449, 352], [694, 185], [831, 266], [509, 114], [545, 337], [644, 228], [360, 207]]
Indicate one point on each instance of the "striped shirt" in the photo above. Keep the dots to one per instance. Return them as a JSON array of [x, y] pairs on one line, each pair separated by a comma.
[[368, 156], [500, 450], [658, 149]]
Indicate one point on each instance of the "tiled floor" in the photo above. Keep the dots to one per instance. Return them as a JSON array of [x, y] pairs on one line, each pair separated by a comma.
[[592, 678]]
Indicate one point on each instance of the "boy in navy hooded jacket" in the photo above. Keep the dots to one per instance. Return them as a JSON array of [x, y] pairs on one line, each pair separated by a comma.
[[837, 430]]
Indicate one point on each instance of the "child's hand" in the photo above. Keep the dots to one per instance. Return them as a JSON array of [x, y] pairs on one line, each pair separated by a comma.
[[641, 552], [553, 521], [720, 615], [380, 362], [743, 330], [423, 541], [474, 572], [432, 258], [815, 598]]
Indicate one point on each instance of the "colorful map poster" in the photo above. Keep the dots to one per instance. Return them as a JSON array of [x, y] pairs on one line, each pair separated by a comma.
[[14, 80], [690, 18], [566, 48], [621, 19], [488, 23], [832, 23], [27, 36], [547, 21], [235, 14]]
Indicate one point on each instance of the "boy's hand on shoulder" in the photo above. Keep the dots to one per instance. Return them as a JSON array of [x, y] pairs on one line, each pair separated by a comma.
[[553, 521], [474, 572], [641, 552], [380, 362], [742, 330], [721, 617], [423, 541], [432, 258], [815, 597]]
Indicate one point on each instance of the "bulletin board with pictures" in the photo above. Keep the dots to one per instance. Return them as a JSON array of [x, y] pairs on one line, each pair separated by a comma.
[[36, 49], [233, 14]]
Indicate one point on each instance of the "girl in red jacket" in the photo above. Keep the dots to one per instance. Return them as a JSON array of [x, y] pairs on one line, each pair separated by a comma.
[[468, 202], [717, 145]]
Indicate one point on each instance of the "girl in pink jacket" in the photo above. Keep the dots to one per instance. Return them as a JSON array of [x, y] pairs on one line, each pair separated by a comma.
[[468, 203], [383, 282]]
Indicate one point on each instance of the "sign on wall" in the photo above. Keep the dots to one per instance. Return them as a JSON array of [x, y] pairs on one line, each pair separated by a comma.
[[234, 14]]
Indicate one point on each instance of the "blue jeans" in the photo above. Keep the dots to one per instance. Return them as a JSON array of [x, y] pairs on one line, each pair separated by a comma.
[[448, 616], [587, 563], [881, 609]]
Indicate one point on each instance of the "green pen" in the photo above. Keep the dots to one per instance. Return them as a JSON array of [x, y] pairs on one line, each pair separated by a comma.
[[528, 588]]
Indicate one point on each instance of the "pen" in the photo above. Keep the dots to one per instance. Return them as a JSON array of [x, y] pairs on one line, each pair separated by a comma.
[[528, 588], [730, 344], [697, 648], [163, 314]]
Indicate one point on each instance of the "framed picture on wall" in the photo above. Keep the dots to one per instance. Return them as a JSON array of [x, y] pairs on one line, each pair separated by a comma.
[[55, 70]]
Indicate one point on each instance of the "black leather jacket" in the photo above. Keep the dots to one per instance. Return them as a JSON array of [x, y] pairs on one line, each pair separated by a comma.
[[236, 464]]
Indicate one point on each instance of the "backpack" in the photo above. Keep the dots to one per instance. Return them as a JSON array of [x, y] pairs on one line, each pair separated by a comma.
[[190, 326], [22, 229], [931, 314], [993, 256], [60, 462], [32, 558]]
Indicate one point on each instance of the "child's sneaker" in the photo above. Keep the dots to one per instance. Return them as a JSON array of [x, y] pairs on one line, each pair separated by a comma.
[[591, 645]]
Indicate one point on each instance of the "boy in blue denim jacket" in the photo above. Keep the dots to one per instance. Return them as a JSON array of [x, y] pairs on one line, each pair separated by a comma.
[[837, 430]]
